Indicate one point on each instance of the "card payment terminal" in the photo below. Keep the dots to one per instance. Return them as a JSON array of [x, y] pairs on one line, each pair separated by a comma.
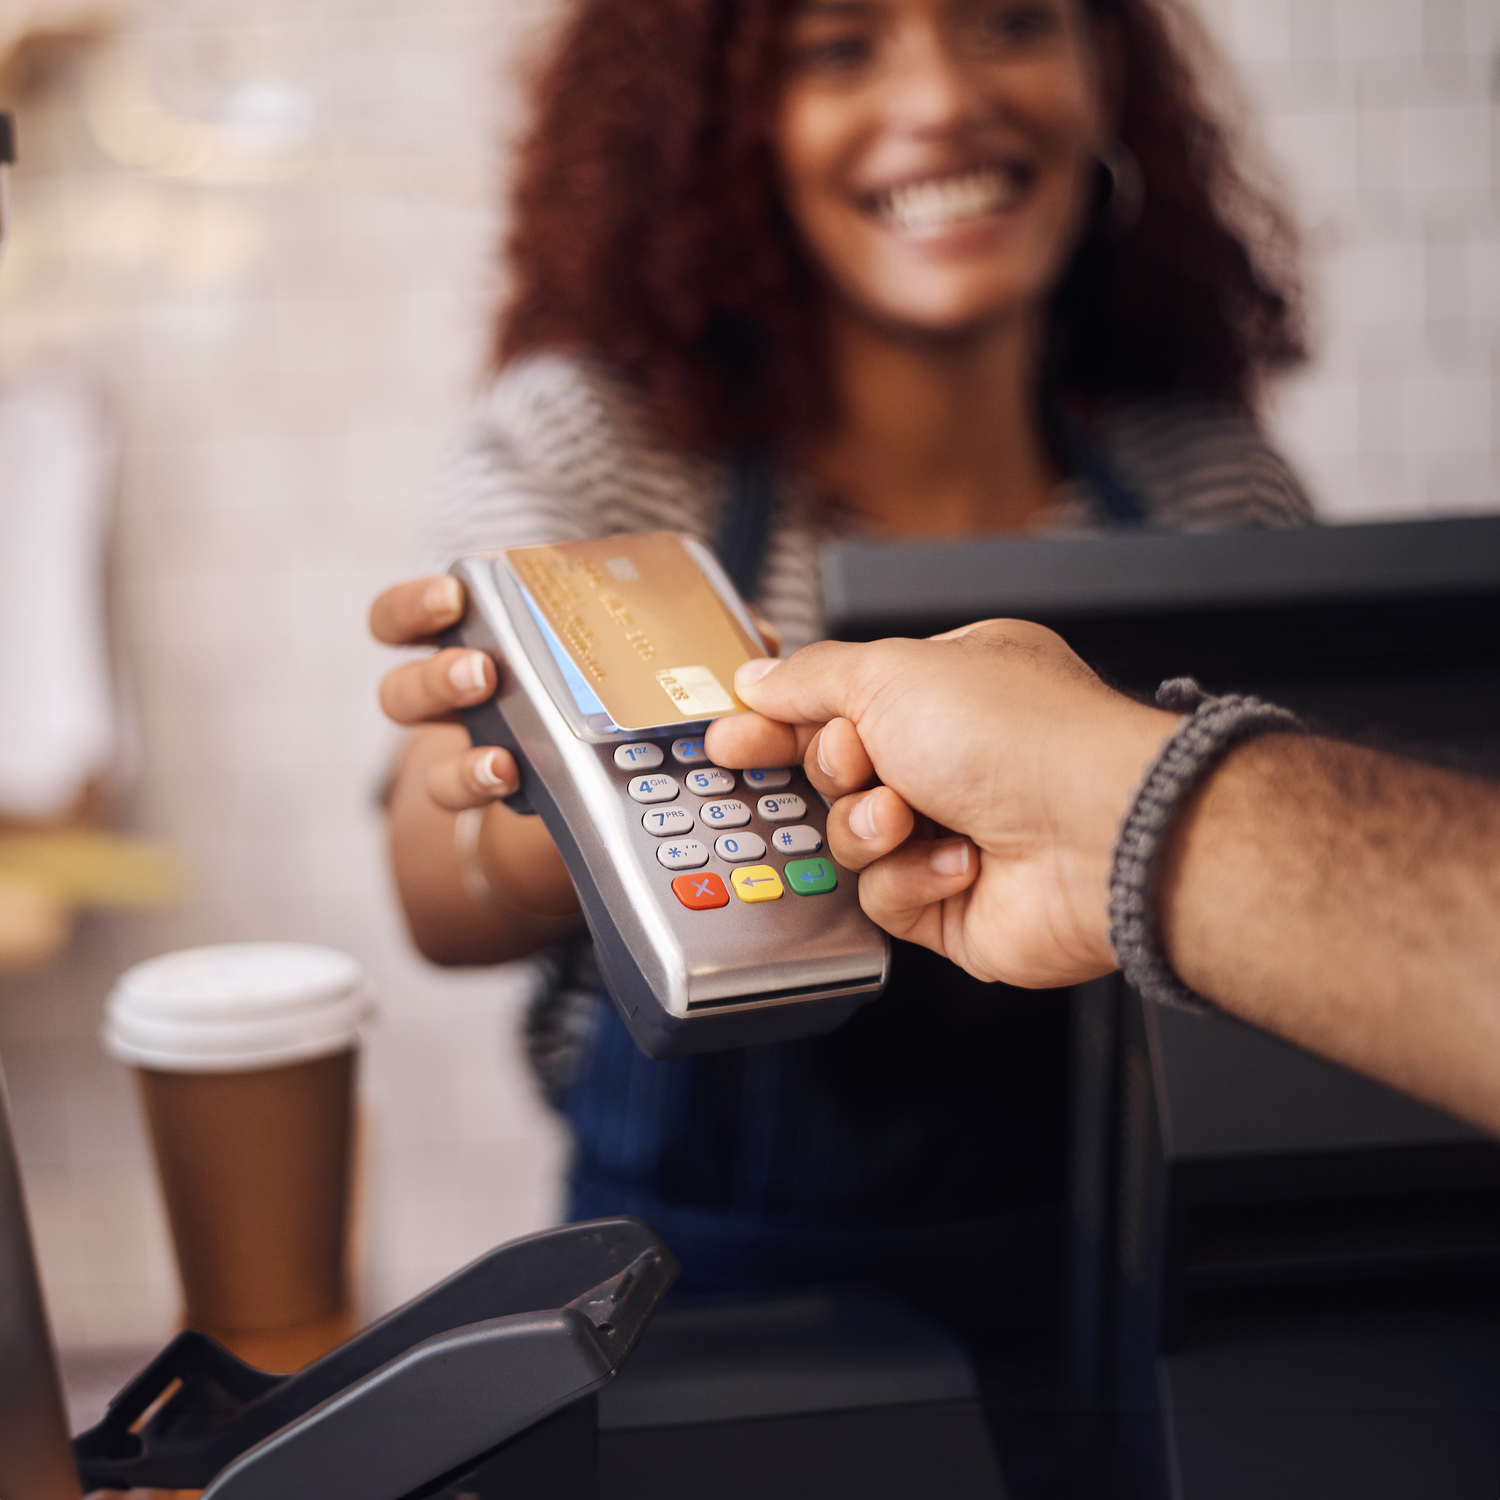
[[718, 917]]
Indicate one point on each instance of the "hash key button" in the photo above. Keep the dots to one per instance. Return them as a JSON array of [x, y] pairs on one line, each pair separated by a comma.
[[658, 788], [639, 757], [756, 883], [785, 807], [801, 838], [811, 877]]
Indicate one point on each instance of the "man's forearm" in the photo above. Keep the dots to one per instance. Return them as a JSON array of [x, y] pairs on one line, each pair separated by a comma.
[[1349, 901]]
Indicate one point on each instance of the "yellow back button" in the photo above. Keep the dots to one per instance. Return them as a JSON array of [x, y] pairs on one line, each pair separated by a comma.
[[757, 883]]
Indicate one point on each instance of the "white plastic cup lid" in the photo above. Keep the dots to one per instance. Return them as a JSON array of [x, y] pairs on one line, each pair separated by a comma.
[[235, 1007]]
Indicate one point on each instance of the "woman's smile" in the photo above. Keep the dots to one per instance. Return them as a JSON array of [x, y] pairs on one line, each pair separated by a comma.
[[930, 207]]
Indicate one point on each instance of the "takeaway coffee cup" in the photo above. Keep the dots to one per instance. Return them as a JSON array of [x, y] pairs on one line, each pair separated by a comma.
[[246, 1058]]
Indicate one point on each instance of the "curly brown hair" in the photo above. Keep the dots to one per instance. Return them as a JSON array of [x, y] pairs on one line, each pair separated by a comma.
[[648, 229]]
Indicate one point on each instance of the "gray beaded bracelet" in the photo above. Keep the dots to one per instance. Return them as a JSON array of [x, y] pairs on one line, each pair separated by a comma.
[[1213, 726]]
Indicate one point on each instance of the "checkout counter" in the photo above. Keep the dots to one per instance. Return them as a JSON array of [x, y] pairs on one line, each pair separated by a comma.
[[501, 1381], [1283, 1277]]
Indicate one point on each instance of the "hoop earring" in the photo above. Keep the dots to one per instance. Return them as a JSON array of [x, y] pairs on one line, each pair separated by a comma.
[[1121, 192]]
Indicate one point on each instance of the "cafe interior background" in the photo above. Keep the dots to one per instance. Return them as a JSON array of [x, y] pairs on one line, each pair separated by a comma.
[[245, 299]]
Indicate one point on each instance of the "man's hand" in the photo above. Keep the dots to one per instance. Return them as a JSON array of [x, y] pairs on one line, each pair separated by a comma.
[[1342, 899], [1004, 765]]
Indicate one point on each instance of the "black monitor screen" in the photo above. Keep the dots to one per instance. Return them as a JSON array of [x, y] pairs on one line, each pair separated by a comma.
[[1389, 629]]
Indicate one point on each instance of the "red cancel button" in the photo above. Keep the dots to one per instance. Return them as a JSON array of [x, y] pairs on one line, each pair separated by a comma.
[[700, 892]]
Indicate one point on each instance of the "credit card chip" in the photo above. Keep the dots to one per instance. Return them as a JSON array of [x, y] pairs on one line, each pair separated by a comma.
[[695, 691]]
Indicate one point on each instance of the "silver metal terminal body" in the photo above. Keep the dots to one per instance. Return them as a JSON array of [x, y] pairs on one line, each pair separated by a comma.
[[751, 970]]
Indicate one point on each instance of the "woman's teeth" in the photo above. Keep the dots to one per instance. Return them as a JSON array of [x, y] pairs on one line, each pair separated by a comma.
[[939, 202]]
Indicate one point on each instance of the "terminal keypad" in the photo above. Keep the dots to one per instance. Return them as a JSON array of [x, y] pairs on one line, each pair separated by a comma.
[[743, 822]]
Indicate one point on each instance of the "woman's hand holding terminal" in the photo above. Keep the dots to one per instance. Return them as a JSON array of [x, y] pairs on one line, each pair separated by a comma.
[[524, 896], [1003, 765]]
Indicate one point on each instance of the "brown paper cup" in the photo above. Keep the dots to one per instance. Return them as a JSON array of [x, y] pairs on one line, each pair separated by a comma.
[[246, 1056], [255, 1171]]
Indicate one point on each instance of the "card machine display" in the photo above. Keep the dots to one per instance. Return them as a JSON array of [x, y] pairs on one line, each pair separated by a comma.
[[718, 916]]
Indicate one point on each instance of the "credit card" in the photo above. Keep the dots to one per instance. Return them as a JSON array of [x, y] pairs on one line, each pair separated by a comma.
[[645, 628]]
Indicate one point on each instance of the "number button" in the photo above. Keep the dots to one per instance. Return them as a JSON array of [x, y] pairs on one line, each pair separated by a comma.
[[710, 783], [667, 822], [737, 848], [800, 839], [700, 892], [682, 854], [689, 752], [653, 788], [757, 883], [641, 757], [730, 814], [786, 808], [811, 877], [766, 781]]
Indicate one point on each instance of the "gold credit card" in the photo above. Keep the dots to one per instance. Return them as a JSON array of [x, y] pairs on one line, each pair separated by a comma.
[[645, 628]]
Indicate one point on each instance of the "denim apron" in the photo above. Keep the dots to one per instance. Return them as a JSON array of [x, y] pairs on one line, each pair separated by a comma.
[[921, 1146]]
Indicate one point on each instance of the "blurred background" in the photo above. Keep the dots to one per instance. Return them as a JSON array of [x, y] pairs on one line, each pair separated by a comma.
[[246, 297]]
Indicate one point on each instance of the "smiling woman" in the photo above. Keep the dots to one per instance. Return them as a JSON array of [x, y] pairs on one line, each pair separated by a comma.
[[652, 222], [937, 162], [784, 269]]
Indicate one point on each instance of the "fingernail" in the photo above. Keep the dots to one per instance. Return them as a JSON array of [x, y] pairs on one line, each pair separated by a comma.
[[486, 774], [467, 673], [444, 596], [752, 671], [823, 765], [951, 858], [862, 817]]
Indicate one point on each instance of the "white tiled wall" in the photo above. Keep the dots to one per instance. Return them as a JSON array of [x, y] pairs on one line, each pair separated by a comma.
[[283, 359], [1381, 117]]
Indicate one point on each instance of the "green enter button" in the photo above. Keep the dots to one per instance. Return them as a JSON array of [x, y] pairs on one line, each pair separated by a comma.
[[810, 877]]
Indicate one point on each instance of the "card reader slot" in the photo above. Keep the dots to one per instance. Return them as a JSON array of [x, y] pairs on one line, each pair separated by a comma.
[[797, 992]]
